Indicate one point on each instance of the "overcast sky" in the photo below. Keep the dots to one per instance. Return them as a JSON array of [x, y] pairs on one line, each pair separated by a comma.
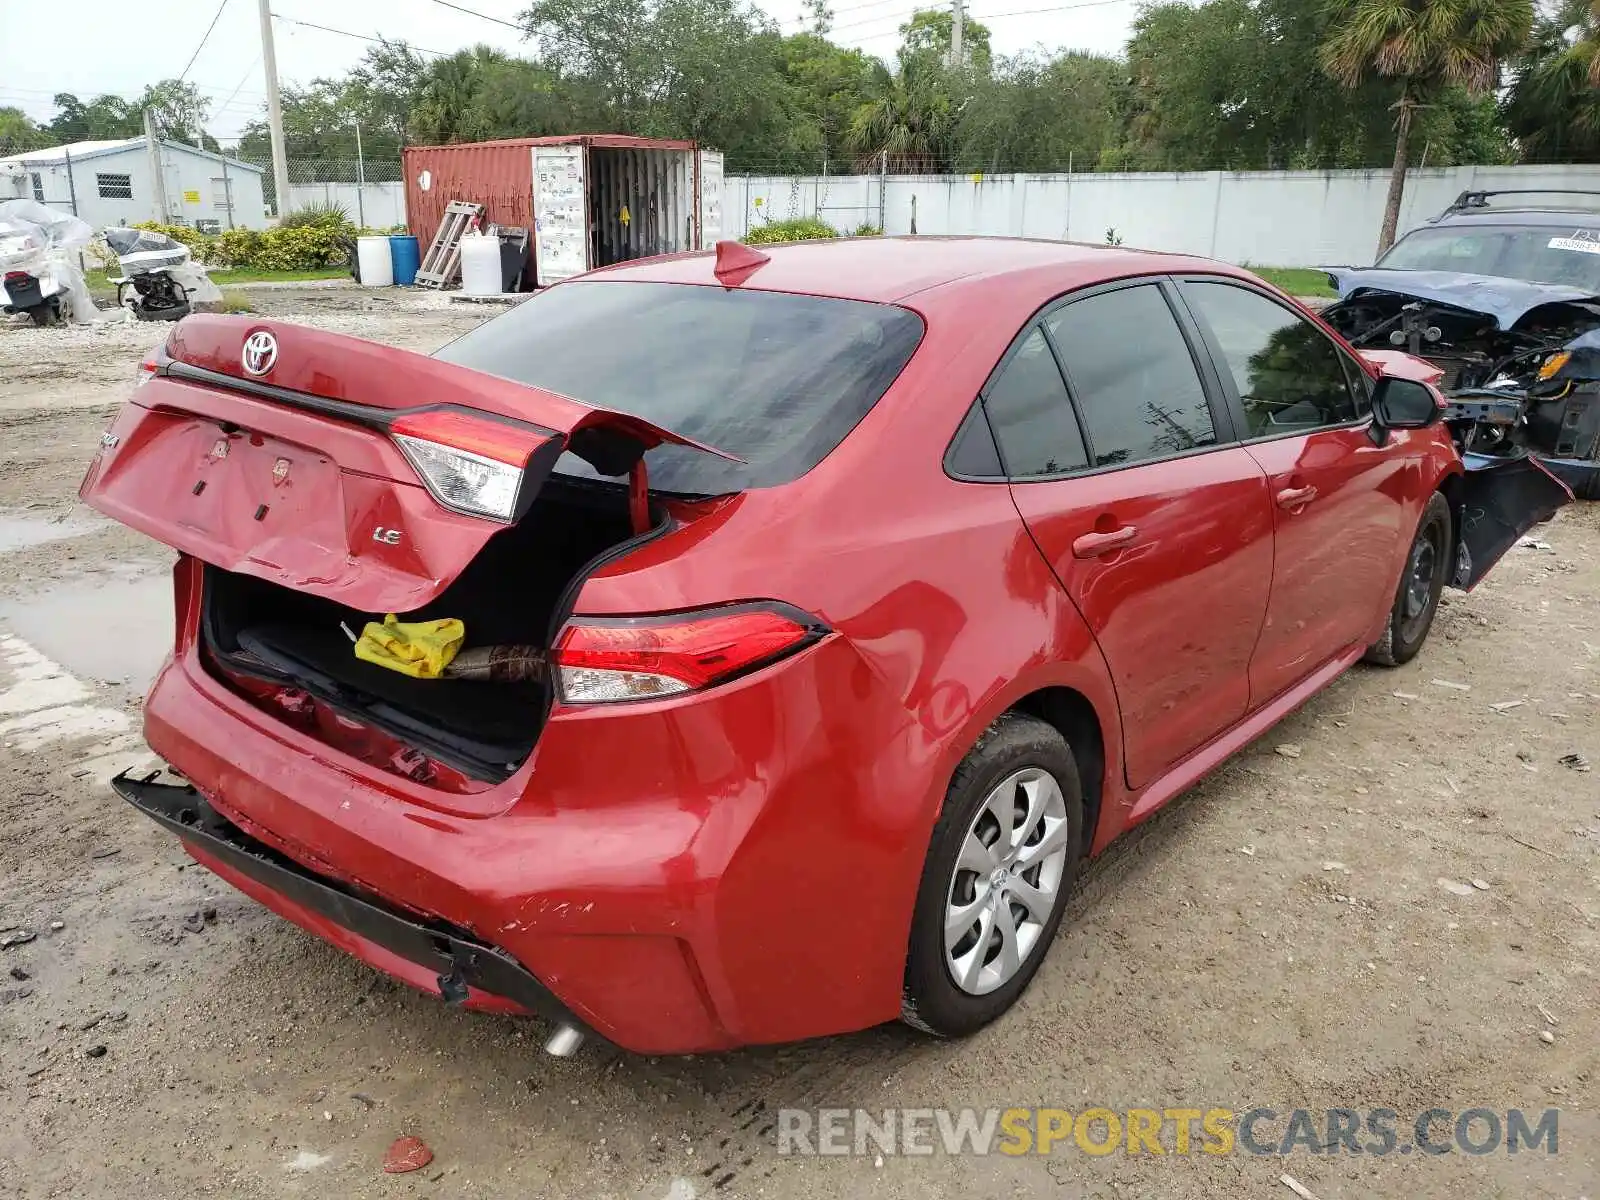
[[119, 46]]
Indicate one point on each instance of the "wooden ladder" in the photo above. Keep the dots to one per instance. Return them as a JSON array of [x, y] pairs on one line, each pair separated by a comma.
[[441, 265]]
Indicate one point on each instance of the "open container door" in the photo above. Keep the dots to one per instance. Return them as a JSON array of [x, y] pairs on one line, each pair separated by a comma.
[[709, 197], [560, 212]]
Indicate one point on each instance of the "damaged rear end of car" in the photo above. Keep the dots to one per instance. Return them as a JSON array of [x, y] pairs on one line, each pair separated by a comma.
[[358, 482], [530, 827]]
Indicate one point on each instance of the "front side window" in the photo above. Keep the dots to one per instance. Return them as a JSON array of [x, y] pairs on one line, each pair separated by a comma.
[[114, 187], [1133, 376], [1290, 376]]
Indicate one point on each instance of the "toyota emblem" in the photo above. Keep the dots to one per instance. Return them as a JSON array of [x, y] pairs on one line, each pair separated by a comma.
[[260, 352]]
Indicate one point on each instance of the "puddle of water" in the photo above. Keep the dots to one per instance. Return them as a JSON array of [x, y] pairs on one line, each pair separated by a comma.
[[19, 530], [114, 630]]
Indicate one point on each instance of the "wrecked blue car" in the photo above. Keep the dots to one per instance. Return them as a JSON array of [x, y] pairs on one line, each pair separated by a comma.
[[1501, 292]]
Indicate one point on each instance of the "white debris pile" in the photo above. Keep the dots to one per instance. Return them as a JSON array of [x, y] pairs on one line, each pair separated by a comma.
[[43, 243]]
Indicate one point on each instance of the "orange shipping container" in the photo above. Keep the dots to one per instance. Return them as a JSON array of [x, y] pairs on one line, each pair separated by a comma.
[[590, 199]]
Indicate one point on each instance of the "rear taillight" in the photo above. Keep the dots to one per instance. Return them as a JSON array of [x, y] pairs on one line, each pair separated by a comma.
[[603, 660], [471, 464], [147, 368]]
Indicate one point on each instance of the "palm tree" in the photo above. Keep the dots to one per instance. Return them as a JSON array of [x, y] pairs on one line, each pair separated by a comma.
[[1553, 105], [1425, 45], [909, 122]]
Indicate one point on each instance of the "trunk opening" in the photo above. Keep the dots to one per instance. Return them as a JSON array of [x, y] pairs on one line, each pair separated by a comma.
[[512, 593]]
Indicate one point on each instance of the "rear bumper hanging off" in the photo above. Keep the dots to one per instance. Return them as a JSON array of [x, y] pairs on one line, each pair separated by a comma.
[[458, 962]]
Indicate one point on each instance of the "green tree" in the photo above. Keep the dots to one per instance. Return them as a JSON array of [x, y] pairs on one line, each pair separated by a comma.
[[103, 117], [18, 132], [928, 35], [908, 123], [1042, 114], [180, 111], [1553, 105], [1426, 46], [826, 84]]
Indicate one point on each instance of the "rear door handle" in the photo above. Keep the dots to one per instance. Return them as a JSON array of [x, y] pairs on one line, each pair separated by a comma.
[[1296, 497], [1093, 545]]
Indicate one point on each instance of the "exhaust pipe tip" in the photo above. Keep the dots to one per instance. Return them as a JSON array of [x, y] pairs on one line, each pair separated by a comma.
[[564, 1042]]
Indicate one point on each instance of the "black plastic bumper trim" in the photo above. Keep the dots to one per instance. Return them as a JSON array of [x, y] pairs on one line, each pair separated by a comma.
[[457, 959]]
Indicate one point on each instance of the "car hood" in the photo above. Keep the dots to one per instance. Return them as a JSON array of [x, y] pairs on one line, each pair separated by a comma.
[[1507, 301]]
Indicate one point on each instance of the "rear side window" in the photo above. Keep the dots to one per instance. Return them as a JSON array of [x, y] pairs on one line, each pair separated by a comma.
[[1031, 415], [776, 379], [1133, 376], [1290, 375]]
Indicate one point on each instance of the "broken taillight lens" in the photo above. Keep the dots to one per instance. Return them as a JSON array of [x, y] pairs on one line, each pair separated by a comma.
[[148, 366], [470, 464], [604, 660]]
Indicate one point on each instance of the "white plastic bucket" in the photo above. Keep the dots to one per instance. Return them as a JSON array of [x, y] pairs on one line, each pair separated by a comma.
[[374, 263], [480, 266]]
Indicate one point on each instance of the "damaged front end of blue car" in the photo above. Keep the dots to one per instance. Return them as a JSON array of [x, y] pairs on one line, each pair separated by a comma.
[[1519, 363]]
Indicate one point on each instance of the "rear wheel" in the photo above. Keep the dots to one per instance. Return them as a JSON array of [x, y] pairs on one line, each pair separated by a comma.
[[1417, 600], [1002, 858], [48, 313]]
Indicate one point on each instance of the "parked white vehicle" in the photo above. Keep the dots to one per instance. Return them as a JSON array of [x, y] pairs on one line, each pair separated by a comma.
[[39, 271]]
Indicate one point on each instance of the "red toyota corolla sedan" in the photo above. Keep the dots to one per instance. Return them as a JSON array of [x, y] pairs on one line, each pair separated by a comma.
[[876, 584]]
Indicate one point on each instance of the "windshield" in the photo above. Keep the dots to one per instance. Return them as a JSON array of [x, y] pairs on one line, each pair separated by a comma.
[[776, 379], [1536, 254]]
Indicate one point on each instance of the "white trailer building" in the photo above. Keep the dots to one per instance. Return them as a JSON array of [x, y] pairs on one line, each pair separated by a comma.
[[110, 183]]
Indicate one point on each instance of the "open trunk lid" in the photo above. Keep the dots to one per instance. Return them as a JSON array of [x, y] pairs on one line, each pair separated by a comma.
[[313, 460]]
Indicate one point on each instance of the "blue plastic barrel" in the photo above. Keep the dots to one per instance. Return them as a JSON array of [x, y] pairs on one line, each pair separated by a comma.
[[407, 259]]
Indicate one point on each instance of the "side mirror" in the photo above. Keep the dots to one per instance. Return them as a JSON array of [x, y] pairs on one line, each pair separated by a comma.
[[1404, 404]]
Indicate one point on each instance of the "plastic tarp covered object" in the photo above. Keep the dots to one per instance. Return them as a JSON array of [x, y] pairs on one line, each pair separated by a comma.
[[42, 241], [144, 251]]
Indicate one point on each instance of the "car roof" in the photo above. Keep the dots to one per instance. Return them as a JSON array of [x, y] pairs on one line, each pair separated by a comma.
[[893, 269], [1541, 217]]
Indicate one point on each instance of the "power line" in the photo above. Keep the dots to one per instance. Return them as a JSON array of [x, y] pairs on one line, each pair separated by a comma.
[[806, 19], [979, 17], [1028, 12], [204, 39], [361, 36], [242, 82], [472, 12]]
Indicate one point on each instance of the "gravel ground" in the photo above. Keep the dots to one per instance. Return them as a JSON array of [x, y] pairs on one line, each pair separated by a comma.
[[1300, 931]]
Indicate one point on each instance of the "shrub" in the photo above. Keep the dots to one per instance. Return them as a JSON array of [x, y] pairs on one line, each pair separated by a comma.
[[237, 248], [300, 248], [320, 216], [797, 229], [868, 229]]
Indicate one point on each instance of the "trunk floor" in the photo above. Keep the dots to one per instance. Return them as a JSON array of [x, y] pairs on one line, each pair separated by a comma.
[[506, 716]]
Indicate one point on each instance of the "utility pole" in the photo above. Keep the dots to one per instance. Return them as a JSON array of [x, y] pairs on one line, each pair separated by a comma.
[[158, 179], [958, 13], [361, 181], [280, 161]]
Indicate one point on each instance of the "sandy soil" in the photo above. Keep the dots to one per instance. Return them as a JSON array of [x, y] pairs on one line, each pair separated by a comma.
[[170, 1038]]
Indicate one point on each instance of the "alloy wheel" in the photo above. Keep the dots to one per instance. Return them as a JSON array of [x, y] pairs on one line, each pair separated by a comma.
[[1007, 881]]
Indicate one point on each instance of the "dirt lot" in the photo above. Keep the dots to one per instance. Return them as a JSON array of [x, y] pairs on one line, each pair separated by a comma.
[[1282, 936]]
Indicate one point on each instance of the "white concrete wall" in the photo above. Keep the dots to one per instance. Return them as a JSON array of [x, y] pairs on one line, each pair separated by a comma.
[[375, 205], [193, 182], [1268, 218]]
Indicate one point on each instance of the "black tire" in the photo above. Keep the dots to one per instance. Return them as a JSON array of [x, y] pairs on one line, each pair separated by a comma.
[[45, 314], [1416, 600], [932, 1001]]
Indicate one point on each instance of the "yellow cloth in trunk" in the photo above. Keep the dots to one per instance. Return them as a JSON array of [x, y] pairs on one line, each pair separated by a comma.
[[422, 649]]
